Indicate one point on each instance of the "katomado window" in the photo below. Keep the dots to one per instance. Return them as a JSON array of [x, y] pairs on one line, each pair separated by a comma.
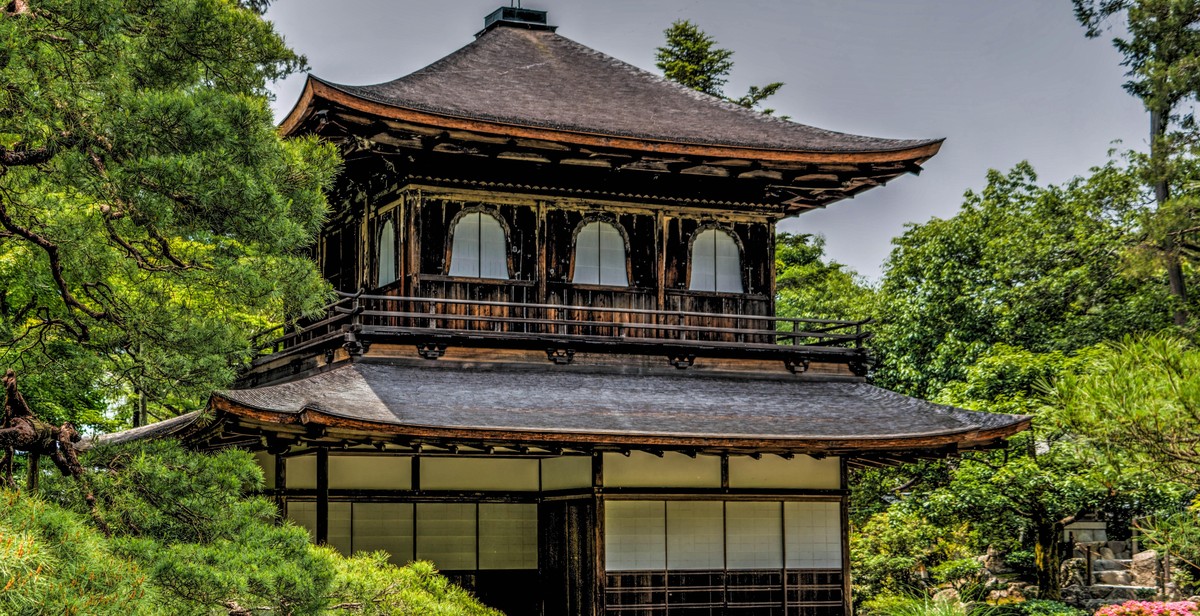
[[716, 263], [600, 256], [479, 248]]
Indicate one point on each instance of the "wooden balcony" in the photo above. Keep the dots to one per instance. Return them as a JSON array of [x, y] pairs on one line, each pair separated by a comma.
[[431, 325]]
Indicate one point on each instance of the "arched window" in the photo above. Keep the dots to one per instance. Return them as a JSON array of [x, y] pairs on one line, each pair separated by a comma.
[[479, 249], [600, 256], [387, 254], [716, 263]]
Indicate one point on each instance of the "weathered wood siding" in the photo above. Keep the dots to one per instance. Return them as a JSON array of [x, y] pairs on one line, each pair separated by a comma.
[[540, 254]]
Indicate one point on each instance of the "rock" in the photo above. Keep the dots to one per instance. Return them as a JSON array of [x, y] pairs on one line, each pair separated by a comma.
[[1105, 564], [1071, 572], [1005, 596], [1122, 593], [947, 595], [995, 563], [1075, 595], [1114, 577], [1145, 568], [1030, 592], [1120, 548], [1107, 553]]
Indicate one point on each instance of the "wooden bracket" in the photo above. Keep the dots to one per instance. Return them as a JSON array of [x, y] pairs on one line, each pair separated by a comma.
[[561, 357], [682, 362], [796, 366], [431, 350]]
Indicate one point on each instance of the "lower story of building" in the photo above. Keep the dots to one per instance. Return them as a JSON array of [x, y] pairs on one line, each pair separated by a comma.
[[630, 533]]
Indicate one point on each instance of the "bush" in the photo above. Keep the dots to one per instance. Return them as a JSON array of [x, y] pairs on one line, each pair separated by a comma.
[[1038, 607], [186, 538], [1149, 608], [415, 590], [906, 605], [52, 561]]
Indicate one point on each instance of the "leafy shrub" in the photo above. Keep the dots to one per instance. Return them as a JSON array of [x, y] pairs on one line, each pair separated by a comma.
[[1149, 608], [415, 590], [52, 561], [186, 538], [909, 605], [1043, 607], [894, 551]]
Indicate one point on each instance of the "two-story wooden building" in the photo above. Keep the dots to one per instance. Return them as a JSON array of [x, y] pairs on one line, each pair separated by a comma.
[[555, 368]]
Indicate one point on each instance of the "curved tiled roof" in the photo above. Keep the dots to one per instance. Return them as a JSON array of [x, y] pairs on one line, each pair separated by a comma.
[[597, 405], [536, 78]]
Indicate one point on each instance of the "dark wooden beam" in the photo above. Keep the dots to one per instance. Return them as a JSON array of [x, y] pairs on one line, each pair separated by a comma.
[[322, 495]]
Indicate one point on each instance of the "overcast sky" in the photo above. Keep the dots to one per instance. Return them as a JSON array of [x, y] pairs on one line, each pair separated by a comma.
[[1001, 80]]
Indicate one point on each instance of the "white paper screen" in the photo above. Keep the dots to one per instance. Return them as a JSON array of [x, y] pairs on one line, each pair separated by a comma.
[[387, 254], [704, 261], [493, 257], [464, 253], [814, 537], [600, 256], [695, 535], [635, 536], [446, 534], [507, 536], [728, 265], [339, 527], [384, 526], [754, 535]]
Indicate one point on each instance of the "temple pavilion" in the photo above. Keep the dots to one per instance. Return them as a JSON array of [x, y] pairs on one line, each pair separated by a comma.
[[554, 367]]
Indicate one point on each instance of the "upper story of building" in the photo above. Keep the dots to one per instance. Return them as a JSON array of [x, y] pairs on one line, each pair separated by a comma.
[[527, 184]]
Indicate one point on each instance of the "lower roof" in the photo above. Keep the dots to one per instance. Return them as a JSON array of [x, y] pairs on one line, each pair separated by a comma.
[[579, 406]]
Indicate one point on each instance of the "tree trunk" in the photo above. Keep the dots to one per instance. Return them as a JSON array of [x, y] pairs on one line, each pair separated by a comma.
[[1162, 192], [1048, 560]]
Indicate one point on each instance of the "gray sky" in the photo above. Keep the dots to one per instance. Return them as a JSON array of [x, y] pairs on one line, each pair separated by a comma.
[[1002, 80]]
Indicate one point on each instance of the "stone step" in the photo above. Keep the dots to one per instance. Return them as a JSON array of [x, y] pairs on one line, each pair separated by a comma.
[[1119, 591], [1112, 564], [1113, 577]]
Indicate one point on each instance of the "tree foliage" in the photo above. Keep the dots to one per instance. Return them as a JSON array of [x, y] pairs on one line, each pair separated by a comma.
[[691, 58], [1161, 49], [186, 535], [1042, 268], [151, 218], [1139, 403], [810, 286]]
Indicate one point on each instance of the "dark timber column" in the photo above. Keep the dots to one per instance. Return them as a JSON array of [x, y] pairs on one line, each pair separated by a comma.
[[322, 495], [281, 486], [845, 511]]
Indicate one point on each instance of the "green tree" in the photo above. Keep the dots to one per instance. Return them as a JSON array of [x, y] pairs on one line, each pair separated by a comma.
[[1041, 268], [1047, 477], [151, 218], [809, 286], [187, 535], [1162, 51], [691, 58], [1138, 405]]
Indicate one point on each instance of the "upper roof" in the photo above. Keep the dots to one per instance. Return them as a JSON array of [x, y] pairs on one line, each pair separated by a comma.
[[581, 406], [537, 79]]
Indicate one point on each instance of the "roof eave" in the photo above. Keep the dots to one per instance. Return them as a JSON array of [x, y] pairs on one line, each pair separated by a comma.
[[957, 440], [315, 88]]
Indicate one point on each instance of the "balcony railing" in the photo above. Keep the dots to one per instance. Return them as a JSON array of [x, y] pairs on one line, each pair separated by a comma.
[[433, 324]]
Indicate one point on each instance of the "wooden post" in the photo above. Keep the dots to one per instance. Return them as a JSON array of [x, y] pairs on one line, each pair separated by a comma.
[[1087, 576], [844, 511], [281, 486], [322, 495]]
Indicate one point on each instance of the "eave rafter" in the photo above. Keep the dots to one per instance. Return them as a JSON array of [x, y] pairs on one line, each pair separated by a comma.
[[794, 185], [246, 428]]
